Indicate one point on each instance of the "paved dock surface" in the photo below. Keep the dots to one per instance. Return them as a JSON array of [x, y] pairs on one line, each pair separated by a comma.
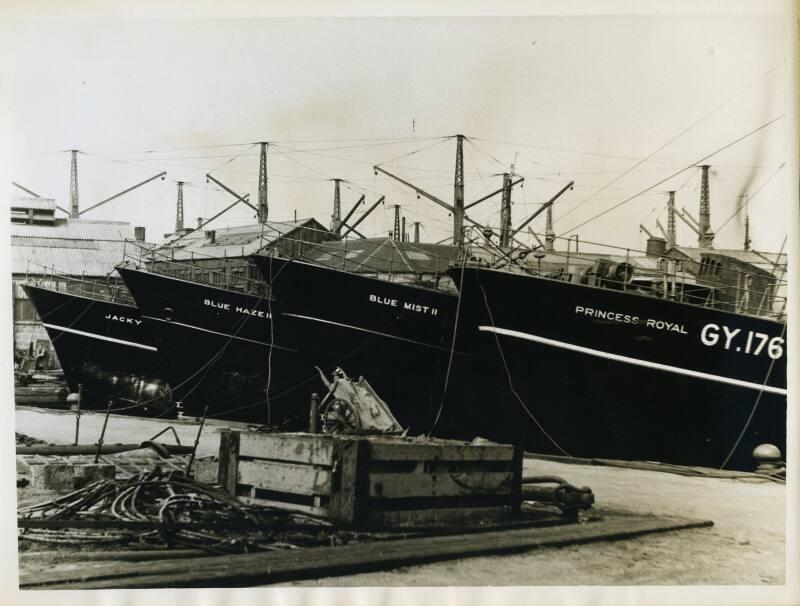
[[745, 546], [58, 427]]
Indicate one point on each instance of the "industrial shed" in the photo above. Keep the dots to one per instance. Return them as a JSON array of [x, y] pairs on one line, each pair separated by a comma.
[[58, 253], [219, 256]]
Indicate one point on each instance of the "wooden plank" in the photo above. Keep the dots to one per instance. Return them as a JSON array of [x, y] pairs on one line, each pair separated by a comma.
[[285, 477], [313, 510], [317, 562], [516, 481], [422, 451], [291, 447], [228, 461], [132, 555], [351, 488], [438, 516], [446, 484]]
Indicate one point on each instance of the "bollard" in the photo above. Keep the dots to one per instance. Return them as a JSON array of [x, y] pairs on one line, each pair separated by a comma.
[[313, 415], [74, 400]]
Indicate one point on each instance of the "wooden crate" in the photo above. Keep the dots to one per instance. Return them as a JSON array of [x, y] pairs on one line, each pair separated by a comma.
[[372, 480]]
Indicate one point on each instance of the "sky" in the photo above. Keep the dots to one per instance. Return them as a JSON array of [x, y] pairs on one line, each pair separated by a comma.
[[617, 103]]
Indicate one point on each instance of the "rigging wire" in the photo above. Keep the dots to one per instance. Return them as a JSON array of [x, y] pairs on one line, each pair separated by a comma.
[[750, 198], [675, 174], [452, 348], [485, 153], [508, 373], [416, 151], [232, 159], [755, 406], [675, 138]]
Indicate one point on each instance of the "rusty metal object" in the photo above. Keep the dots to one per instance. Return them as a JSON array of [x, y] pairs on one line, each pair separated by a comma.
[[568, 498], [353, 406], [65, 450]]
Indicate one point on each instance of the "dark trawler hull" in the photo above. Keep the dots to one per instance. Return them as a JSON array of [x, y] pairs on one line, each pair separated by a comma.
[[398, 336], [224, 349], [610, 374], [107, 349]]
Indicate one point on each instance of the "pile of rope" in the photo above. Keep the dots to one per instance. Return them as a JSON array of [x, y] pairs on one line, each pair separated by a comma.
[[183, 513]]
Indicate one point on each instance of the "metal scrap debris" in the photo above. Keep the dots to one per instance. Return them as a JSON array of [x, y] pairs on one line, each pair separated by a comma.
[[161, 509]]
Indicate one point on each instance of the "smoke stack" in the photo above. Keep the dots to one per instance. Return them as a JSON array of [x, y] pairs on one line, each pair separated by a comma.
[[743, 204], [396, 234], [139, 233], [656, 247], [211, 236], [706, 237], [199, 222], [416, 231], [404, 229]]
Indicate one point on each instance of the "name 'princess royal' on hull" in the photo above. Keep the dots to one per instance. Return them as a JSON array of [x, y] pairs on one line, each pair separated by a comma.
[[602, 372]]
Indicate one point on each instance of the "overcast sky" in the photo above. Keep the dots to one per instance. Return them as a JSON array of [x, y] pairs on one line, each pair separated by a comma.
[[583, 98]]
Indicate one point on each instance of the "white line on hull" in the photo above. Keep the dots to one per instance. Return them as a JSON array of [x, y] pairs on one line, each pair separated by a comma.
[[93, 335], [635, 361]]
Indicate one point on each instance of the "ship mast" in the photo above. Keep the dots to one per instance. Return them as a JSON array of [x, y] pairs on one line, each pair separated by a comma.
[[706, 236], [671, 239], [505, 212], [458, 208], [263, 206], [458, 194]]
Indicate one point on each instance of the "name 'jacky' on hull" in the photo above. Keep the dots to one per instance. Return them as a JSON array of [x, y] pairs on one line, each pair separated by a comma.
[[606, 373], [106, 350]]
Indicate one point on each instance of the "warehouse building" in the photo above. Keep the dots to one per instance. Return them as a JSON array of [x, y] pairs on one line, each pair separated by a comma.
[[219, 256], [76, 255]]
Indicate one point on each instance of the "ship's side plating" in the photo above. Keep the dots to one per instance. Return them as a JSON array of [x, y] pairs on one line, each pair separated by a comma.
[[604, 373], [106, 350], [224, 349], [398, 336]]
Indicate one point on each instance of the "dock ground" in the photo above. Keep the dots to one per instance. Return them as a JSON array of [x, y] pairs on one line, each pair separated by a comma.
[[746, 545]]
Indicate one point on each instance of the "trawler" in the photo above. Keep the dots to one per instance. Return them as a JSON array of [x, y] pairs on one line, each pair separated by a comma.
[[106, 349]]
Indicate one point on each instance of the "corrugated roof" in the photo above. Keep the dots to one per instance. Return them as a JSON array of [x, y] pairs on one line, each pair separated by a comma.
[[76, 229], [26, 202], [77, 247], [237, 241], [383, 256], [94, 262]]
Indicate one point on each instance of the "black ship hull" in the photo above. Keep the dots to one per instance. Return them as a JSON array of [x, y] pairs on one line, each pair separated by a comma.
[[610, 374], [398, 336], [106, 351], [225, 350]]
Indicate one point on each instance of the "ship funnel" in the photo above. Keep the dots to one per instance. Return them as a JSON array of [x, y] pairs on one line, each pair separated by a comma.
[[656, 247]]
